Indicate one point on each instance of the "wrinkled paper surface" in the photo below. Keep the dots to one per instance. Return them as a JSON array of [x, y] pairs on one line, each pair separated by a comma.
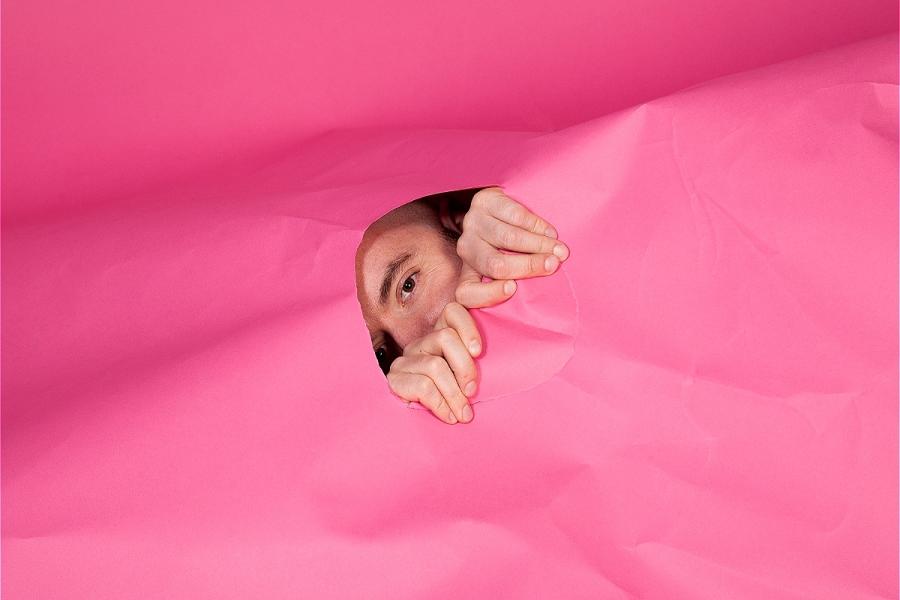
[[701, 404]]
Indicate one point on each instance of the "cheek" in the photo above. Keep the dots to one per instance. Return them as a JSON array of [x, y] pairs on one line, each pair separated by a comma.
[[420, 322], [442, 293], [438, 289]]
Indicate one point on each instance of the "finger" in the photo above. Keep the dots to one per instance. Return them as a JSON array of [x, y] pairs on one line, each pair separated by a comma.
[[485, 294], [446, 345], [417, 387], [471, 292], [448, 385], [438, 370], [457, 317], [502, 207], [403, 385], [467, 274], [497, 265], [510, 237]]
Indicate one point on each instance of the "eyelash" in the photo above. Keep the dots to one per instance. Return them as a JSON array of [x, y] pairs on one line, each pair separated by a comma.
[[401, 291]]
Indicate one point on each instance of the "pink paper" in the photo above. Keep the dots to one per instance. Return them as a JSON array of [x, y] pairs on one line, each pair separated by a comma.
[[701, 404]]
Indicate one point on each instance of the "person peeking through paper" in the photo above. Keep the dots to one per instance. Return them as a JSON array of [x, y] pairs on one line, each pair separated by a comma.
[[422, 265]]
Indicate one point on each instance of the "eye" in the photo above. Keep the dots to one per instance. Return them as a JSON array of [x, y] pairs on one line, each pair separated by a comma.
[[382, 357], [409, 284], [386, 352]]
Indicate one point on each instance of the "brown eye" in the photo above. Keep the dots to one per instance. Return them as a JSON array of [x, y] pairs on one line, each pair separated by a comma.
[[409, 284]]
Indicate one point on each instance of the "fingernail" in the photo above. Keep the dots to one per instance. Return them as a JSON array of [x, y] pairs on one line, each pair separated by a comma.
[[467, 414], [470, 388], [509, 287], [474, 348], [561, 251], [551, 263], [452, 418], [550, 232]]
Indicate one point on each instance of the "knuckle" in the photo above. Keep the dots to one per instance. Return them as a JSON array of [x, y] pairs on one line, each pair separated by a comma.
[[433, 398], [496, 267], [392, 381], [433, 364], [530, 222], [508, 237], [445, 336], [423, 388], [479, 199], [512, 213], [486, 194]]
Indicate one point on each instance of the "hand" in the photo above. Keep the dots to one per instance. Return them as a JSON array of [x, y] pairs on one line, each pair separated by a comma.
[[496, 222], [438, 370]]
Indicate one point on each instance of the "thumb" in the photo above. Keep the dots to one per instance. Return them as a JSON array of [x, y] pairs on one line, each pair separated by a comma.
[[472, 292]]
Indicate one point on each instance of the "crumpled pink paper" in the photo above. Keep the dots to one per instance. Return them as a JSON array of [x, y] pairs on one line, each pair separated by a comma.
[[701, 404]]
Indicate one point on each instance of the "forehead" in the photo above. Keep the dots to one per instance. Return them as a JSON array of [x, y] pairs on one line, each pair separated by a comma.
[[381, 245]]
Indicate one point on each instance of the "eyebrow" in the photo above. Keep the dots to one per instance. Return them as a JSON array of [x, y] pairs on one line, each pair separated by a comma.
[[389, 274]]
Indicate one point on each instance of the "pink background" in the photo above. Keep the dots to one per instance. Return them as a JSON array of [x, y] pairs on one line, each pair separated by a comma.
[[702, 404], [107, 100]]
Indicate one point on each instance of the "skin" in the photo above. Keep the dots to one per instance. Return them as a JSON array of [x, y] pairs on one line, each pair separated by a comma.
[[422, 325], [423, 284]]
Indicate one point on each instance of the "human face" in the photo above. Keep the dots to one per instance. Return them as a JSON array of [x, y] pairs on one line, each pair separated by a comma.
[[406, 273]]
